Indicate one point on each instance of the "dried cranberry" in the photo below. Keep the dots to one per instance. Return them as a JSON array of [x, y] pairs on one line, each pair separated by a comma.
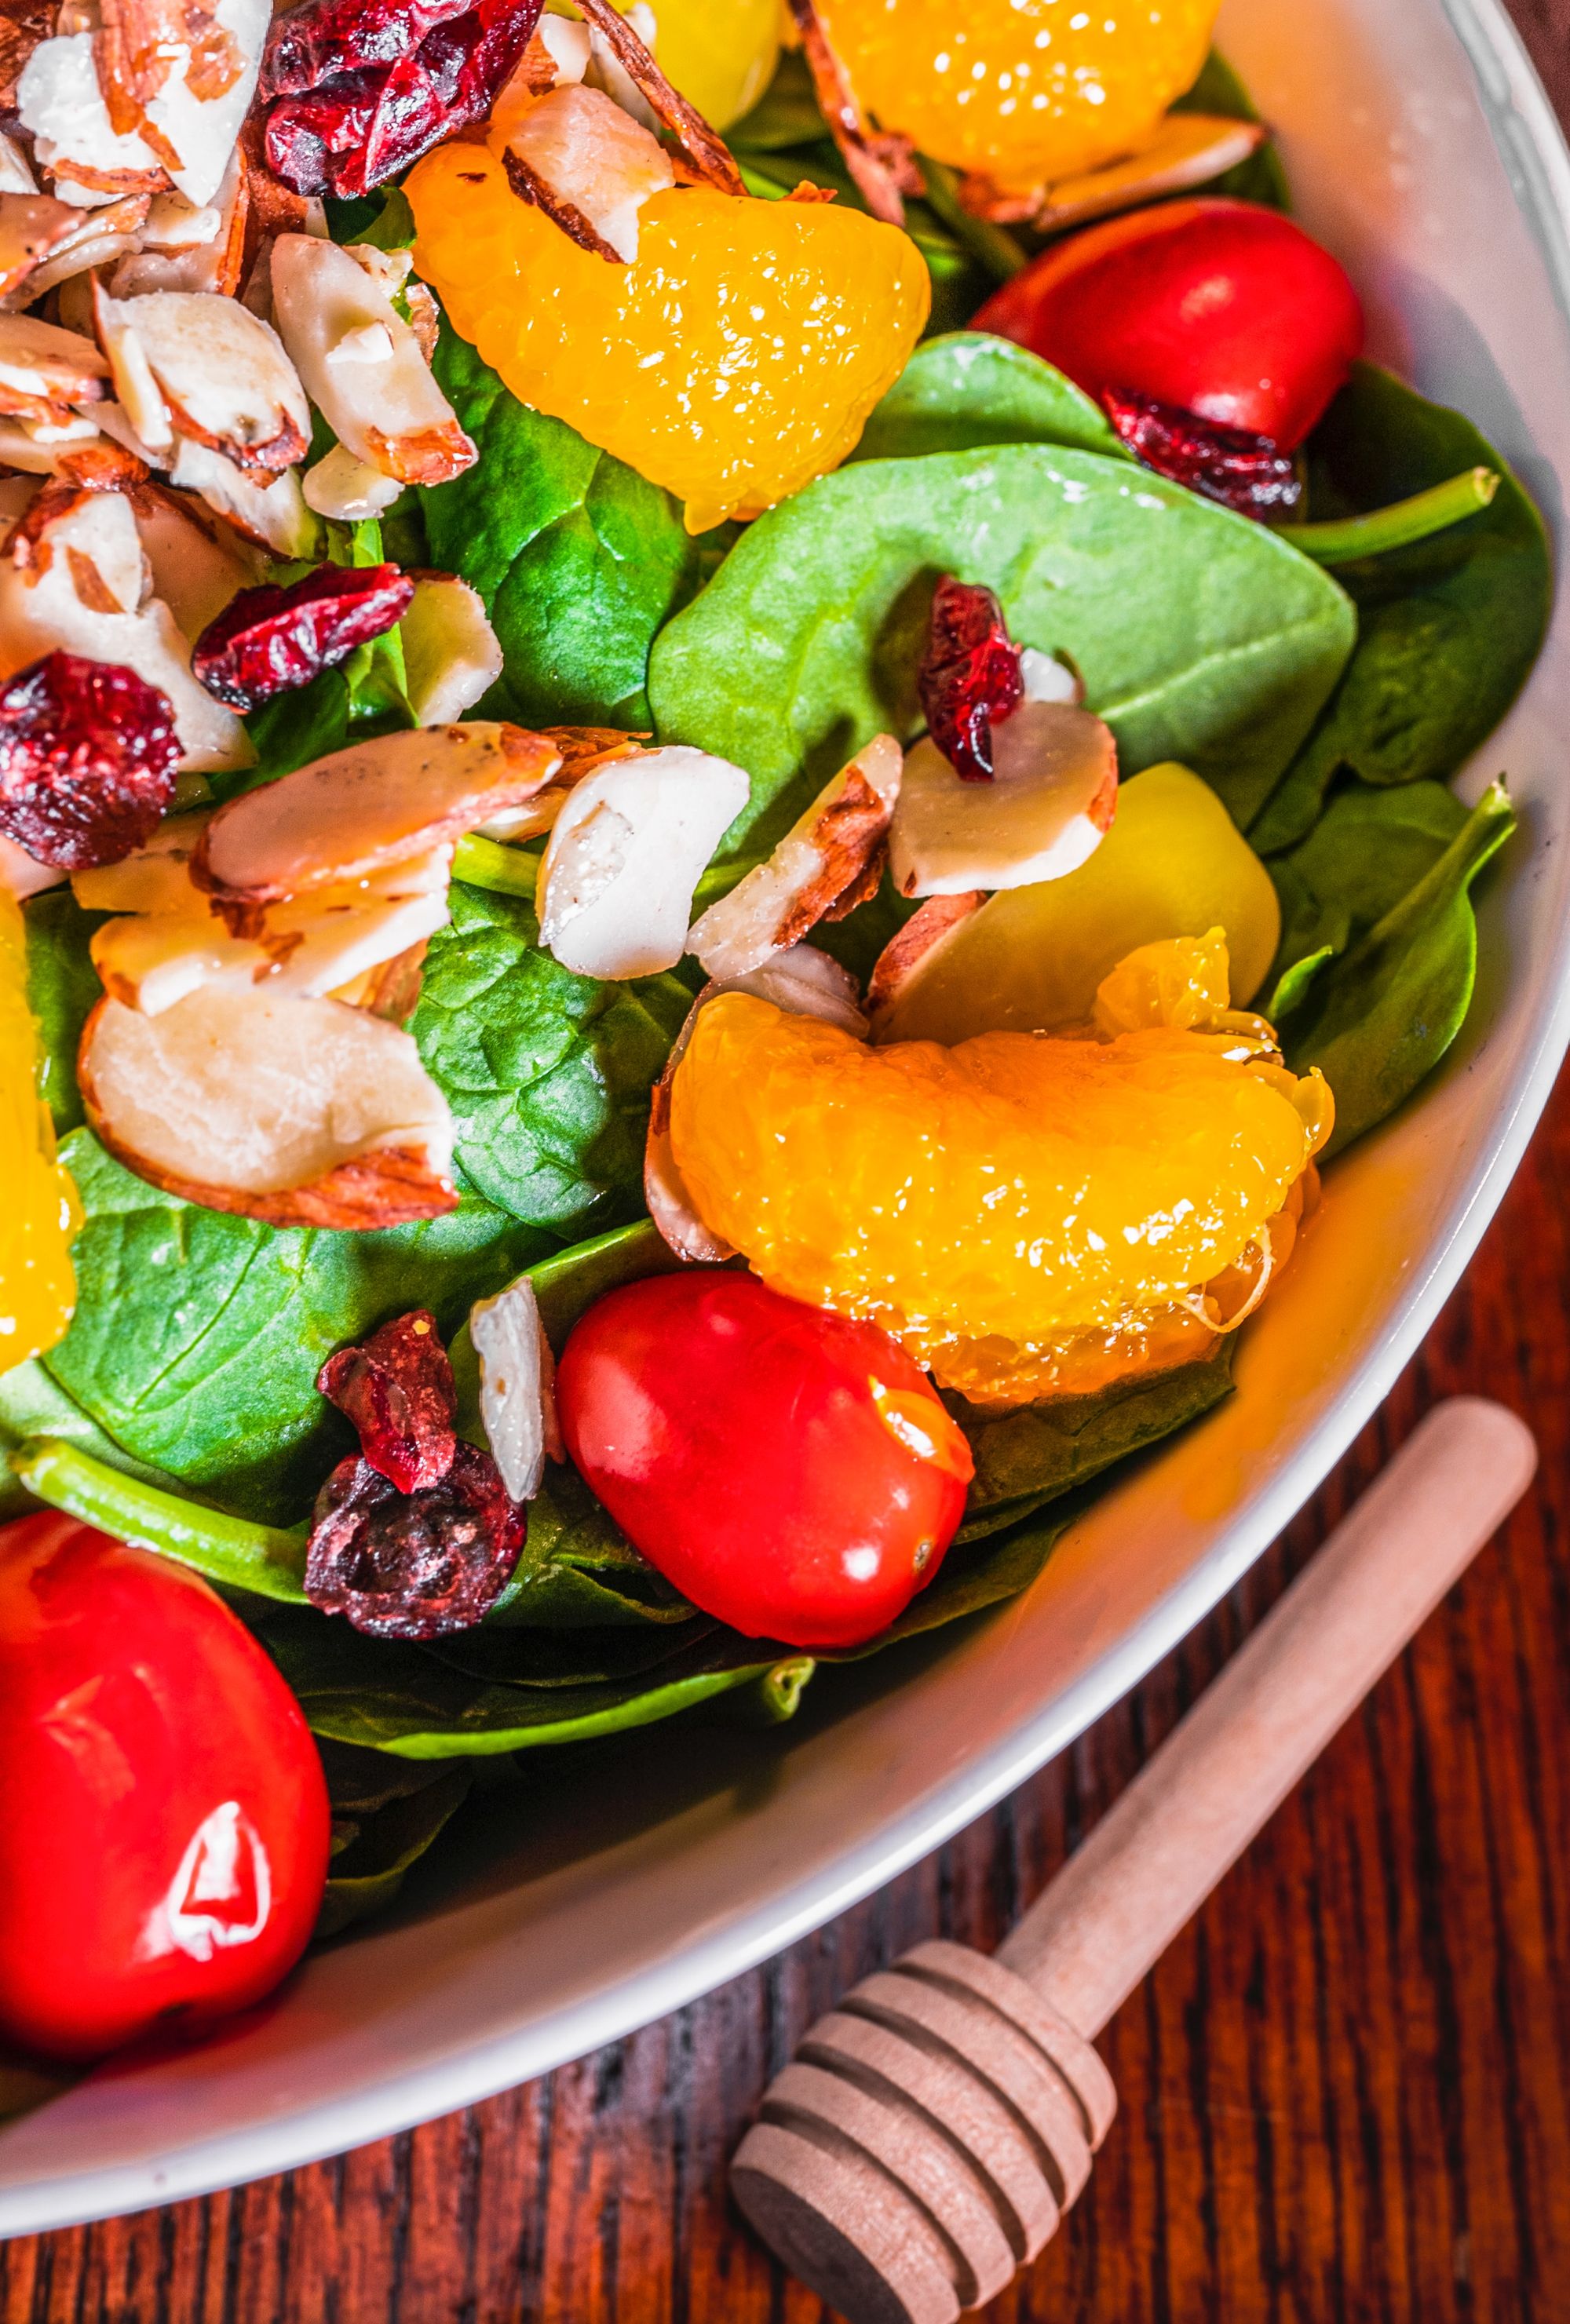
[[1248, 474], [413, 1565], [969, 678], [320, 37], [267, 641], [397, 1387], [353, 131], [87, 754]]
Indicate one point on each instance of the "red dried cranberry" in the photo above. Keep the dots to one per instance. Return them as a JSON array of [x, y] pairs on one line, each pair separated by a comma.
[[413, 1565], [310, 43], [397, 1387], [1247, 473], [969, 678], [87, 754], [355, 130], [267, 641]]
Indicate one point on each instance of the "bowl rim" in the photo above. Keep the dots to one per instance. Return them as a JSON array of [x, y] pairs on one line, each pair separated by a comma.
[[1533, 147]]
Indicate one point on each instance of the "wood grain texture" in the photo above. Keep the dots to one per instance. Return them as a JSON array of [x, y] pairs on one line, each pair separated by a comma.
[[1344, 2093]]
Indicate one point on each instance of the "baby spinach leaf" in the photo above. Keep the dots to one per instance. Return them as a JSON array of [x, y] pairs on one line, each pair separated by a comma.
[[1201, 637], [1262, 178], [62, 986], [1366, 850], [969, 389], [1040, 1451], [386, 1814], [1447, 628], [198, 1336], [548, 1074], [1379, 1018], [32, 1404], [578, 558]]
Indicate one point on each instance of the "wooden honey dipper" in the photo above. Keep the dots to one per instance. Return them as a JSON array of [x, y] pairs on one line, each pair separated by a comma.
[[932, 2130]]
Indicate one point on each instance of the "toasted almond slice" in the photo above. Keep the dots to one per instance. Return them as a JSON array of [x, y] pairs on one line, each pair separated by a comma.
[[517, 1386], [882, 164], [906, 958], [1189, 149], [175, 256], [15, 176], [805, 983], [823, 868], [40, 361], [706, 153], [625, 855], [62, 105], [581, 748], [379, 802], [1052, 799], [33, 227], [1045, 678], [387, 409], [298, 1113], [598, 164], [271, 511], [223, 376], [198, 563], [346, 488], [451, 656], [22, 875], [99, 238], [73, 576], [156, 877]]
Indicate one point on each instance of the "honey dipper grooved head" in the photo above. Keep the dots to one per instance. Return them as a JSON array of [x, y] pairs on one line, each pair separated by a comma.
[[926, 2141]]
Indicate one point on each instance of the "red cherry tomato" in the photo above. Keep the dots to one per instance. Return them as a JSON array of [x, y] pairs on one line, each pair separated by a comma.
[[163, 1818], [1217, 306], [790, 1471]]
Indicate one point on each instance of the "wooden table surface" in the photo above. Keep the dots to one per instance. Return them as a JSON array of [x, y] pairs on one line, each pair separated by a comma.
[[1345, 2092]]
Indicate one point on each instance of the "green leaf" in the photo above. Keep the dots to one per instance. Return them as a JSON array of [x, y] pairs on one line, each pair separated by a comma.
[[1262, 178], [1040, 1451], [1366, 850], [32, 1404], [198, 1336], [579, 559], [787, 114], [1447, 628], [1201, 637], [62, 986], [263, 1559], [548, 1074], [969, 389], [386, 1814], [1379, 1018]]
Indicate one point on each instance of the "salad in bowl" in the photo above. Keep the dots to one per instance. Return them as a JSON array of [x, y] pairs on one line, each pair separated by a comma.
[[723, 769]]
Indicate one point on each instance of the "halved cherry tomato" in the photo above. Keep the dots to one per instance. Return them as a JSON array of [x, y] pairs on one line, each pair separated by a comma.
[[790, 1471], [163, 1818], [1216, 307]]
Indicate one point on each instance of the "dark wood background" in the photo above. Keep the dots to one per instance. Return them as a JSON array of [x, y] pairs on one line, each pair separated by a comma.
[[1345, 2092]]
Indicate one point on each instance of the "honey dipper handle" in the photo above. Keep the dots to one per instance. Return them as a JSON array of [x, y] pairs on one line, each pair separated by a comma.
[[1154, 1858]]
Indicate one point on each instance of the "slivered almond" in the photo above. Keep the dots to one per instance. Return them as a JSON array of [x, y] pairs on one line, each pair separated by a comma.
[[348, 489], [451, 656], [517, 1386], [805, 983], [269, 510], [378, 802], [41, 363], [1052, 799], [222, 377], [298, 1113], [906, 958], [33, 227], [388, 410], [821, 870], [97, 238], [589, 166], [214, 262], [198, 564]]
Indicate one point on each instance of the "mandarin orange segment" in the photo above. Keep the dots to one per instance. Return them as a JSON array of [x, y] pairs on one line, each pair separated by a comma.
[[1021, 91], [37, 1287], [1014, 1187], [733, 361]]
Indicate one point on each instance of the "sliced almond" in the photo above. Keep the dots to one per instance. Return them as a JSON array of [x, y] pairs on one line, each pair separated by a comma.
[[22, 875], [73, 576], [625, 855], [61, 104], [906, 958], [517, 1386], [581, 748], [198, 565], [385, 407], [15, 176], [180, 75], [223, 376], [33, 227], [98, 238], [269, 510], [803, 981], [707, 155], [156, 877], [1052, 800], [297, 1112], [451, 657], [882, 164], [176, 256], [1189, 149], [376, 803], [825, 865], [597, 164], [43, 363], [346, 488]]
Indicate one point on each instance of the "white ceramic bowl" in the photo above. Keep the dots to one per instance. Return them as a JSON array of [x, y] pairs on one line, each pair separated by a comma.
[[1424, 152]]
